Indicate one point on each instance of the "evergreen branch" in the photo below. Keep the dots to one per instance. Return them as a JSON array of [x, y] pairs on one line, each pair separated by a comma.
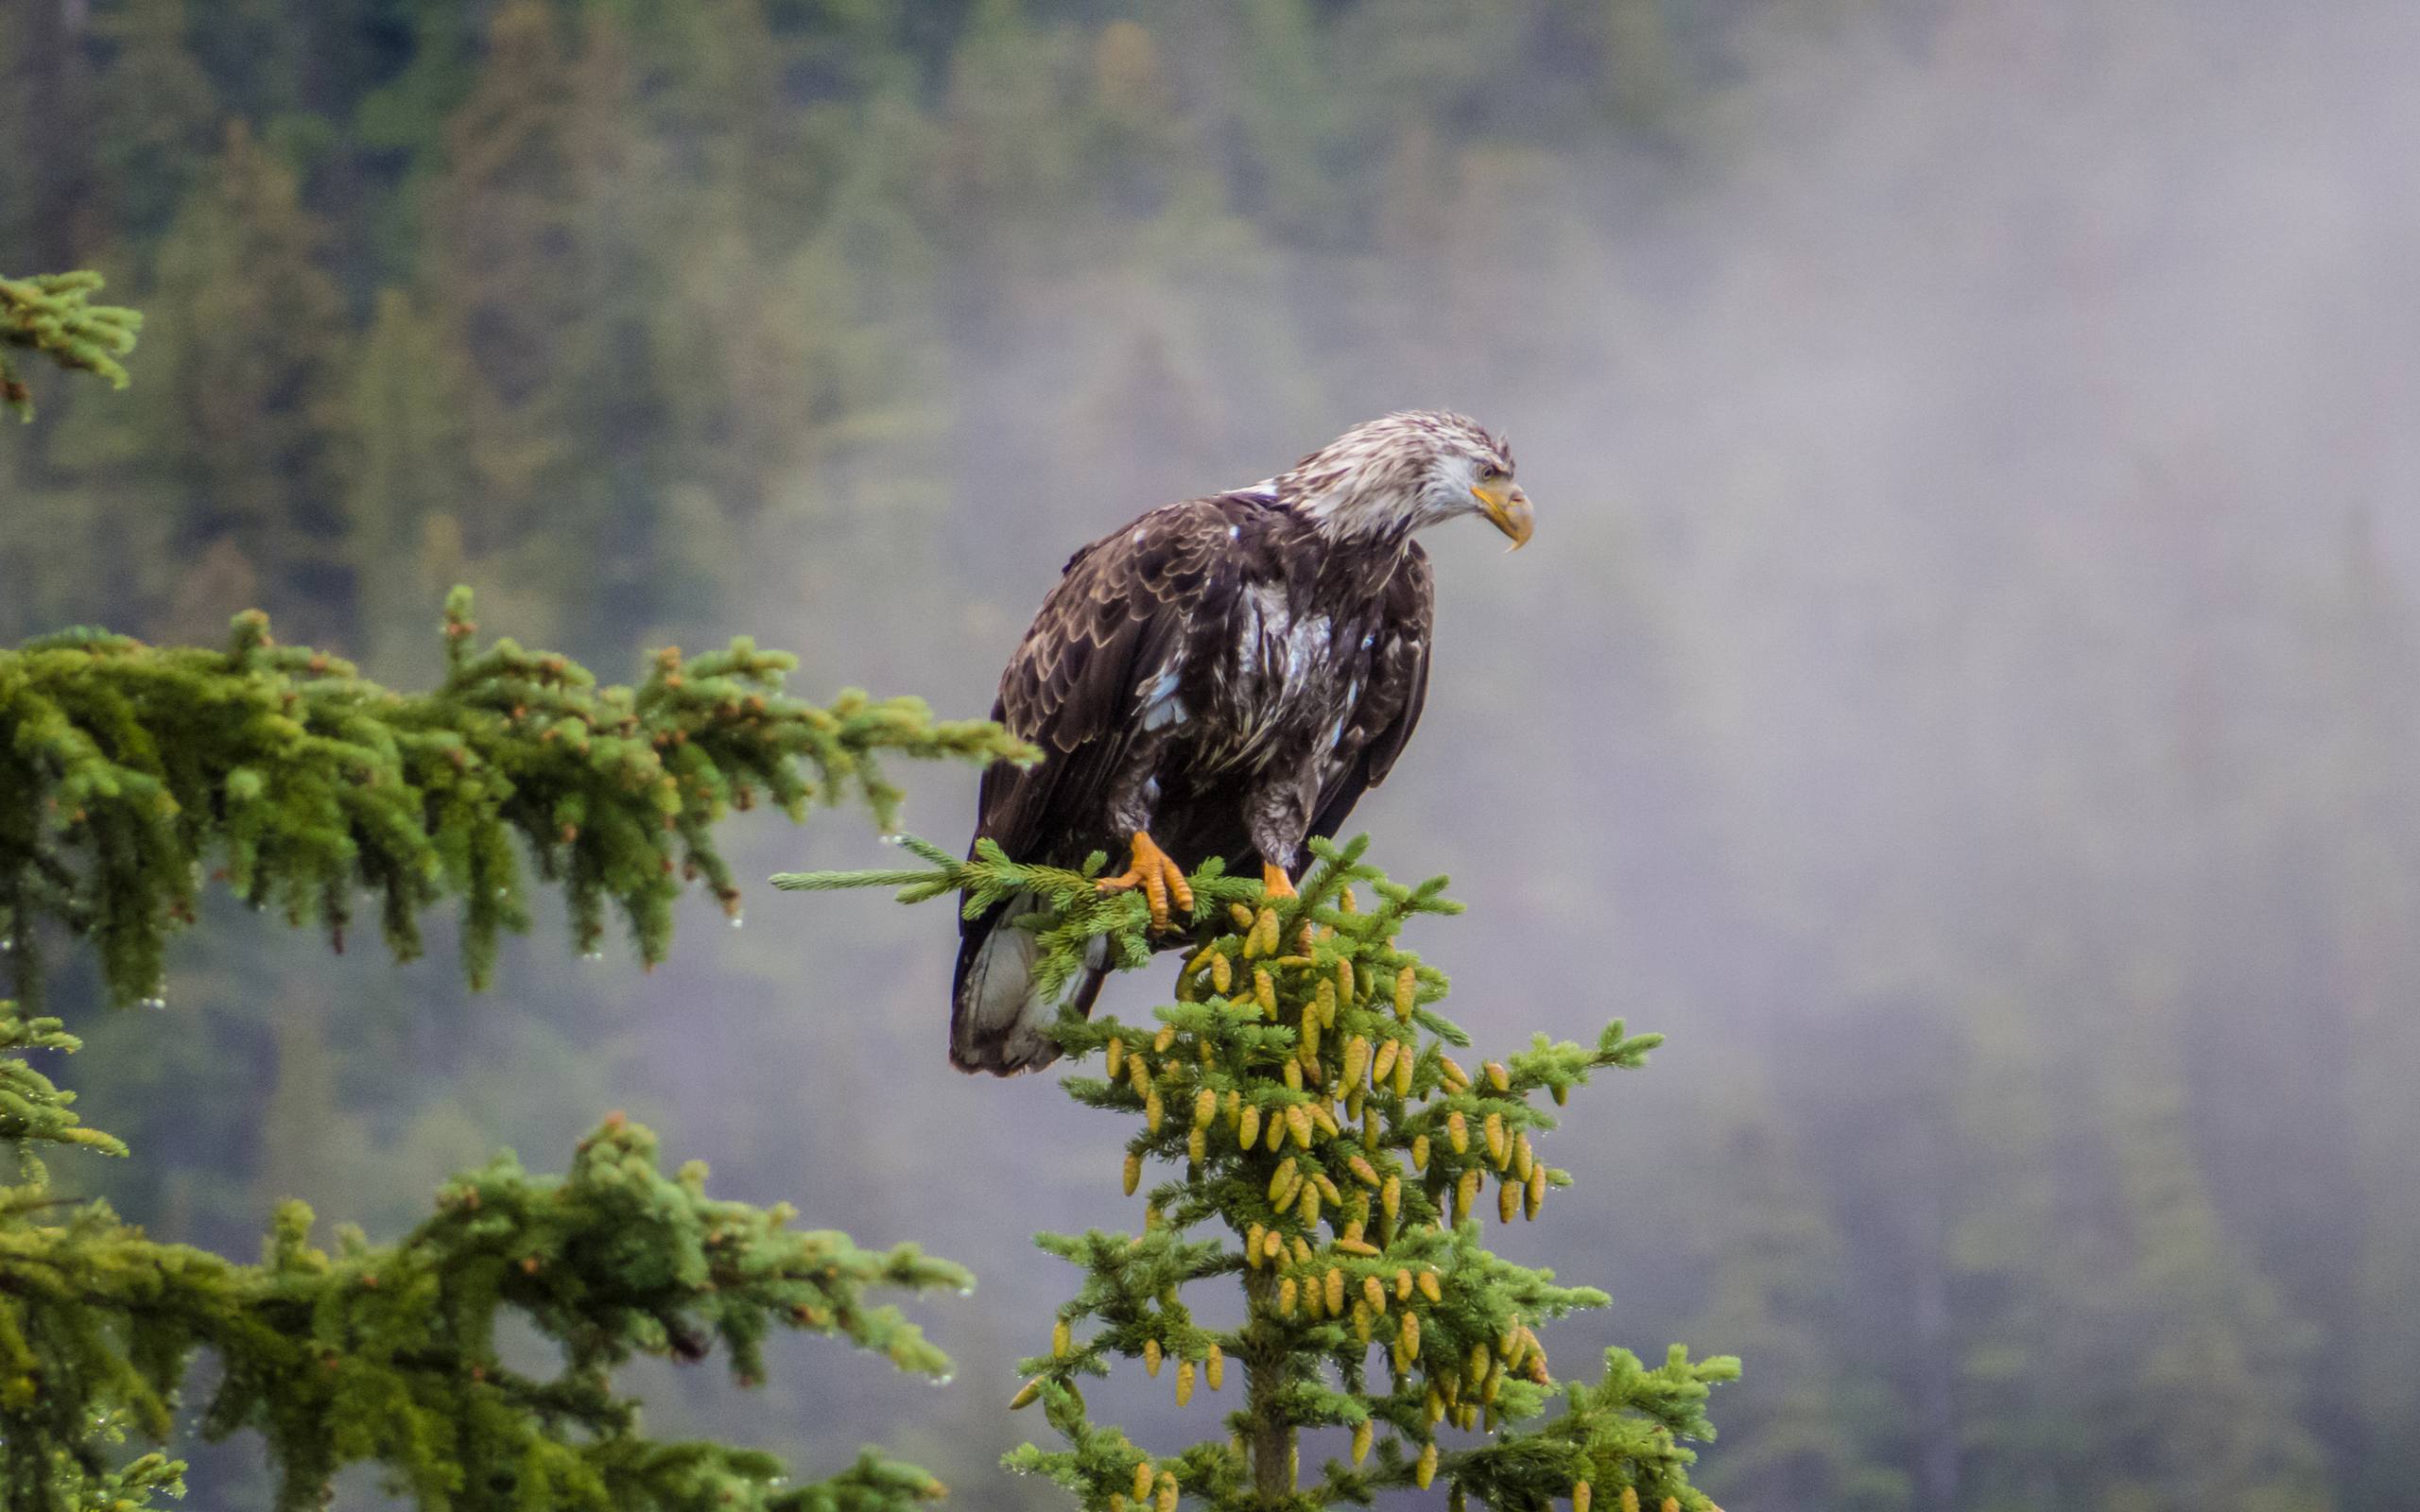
[[1301, 1089], [387, 1353], [50, 313], [126, 767], [32, 1110]]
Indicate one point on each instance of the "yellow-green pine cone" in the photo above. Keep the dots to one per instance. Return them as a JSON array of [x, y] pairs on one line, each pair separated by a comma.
[[1344, 981], [1167, 1502], [1403, 1075], [1025, 1394], [1138, 1074], [1183, 1382], [1281, 1179], [1222, 974], [1197, 1144], [1364, 1171], [1507, 1200], [1374, 1291], [1535, 1193], [1420, 1152], [1292, 1071], [1264, 988], [1133, 1171], [1382, 1061], [1241, 915], [1154, 1111], [1403, 1284], [1481, 1357], [1205, 1108], [1362, 1433], [1298, 1119], [1361, 1322], [1302, 1250], [1407, 990], [1276, 1243], [1431, 1287], [1308, 1046], [1116, 1056], [1523, 1157], [1327, 1189], [1410, 1334], [1310, 1204], [1458, 1132], [1253, 1237], [1214, 1367], [1165, 1038], [1062, 1338], [1497, 1075], [1581, 1492], [1499, 1149], [1391, 1198], [1455, 1076], [1425, 1471], [1465, 1194], [1335, 1289], [1356, 1060], [1151, 1357], [1286, 1294], [1248, 1126]]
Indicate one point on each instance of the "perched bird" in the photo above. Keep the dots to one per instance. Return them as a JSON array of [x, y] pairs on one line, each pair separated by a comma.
[[1220, 677]]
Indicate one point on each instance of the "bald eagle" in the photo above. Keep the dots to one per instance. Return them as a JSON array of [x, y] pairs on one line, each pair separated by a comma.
[[1220, 677]]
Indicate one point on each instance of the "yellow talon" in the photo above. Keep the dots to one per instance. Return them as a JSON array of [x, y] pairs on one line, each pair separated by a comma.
[[1159, 876], [1274, 881]]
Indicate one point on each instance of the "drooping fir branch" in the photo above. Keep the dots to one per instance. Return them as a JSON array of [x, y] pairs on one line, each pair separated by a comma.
[[388, 1354], [126, 768], [1331, 1159], [51, 313]]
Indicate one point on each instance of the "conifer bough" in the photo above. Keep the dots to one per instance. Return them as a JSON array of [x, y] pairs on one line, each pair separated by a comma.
[[387, 1353], [1335, 1160], [52, 314], [126, 769]]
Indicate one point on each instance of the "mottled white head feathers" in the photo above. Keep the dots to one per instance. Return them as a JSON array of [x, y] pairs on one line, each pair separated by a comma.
[[1401, 472]]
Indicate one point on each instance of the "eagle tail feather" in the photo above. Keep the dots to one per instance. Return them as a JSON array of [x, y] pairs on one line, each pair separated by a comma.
[[997, 1015]]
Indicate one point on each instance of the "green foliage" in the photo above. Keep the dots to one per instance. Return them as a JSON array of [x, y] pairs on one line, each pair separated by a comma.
[[126, 767], [1336, 1157], [52, 314], [389, 1354], [130, 767]]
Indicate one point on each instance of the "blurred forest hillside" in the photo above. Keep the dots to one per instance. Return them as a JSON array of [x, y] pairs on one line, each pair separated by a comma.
[[1965, 689]]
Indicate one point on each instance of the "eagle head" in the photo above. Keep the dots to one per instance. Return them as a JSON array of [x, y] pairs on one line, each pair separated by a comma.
[[1387, 478]]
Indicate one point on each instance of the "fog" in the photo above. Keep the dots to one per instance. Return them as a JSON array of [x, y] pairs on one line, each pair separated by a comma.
[[1960, 691]]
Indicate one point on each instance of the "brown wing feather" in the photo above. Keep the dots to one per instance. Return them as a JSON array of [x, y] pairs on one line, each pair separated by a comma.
[[1390, 702], [1076, 686]]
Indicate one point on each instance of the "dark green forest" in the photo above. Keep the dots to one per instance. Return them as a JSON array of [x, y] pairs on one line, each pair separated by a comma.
[[1965, 688]]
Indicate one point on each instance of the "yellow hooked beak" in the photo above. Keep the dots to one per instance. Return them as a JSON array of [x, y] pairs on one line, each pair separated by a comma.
[[1508, 509]]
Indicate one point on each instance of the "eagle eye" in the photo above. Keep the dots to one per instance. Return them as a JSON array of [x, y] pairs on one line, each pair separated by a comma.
[[1493, 472]]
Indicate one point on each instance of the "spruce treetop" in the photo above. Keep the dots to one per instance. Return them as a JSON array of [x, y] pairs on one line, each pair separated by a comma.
[[1331, 1157]]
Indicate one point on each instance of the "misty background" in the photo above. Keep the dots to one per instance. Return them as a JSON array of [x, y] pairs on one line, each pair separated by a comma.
[[1964, 689]]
